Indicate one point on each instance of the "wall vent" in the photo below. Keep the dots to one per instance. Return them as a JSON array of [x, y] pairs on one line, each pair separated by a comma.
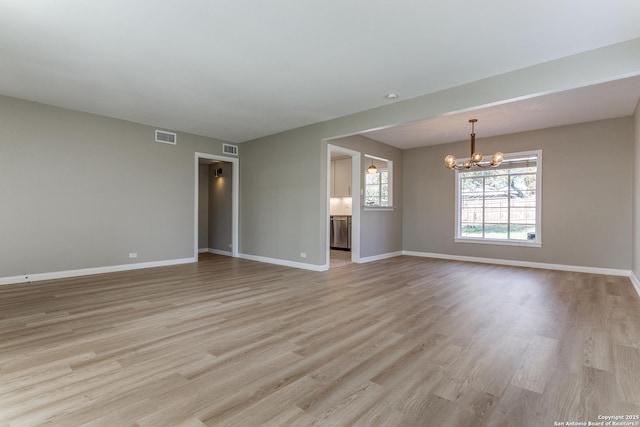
[[230, 149], [166, 137]]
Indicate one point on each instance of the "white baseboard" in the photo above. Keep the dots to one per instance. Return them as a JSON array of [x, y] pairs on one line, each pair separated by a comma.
[[219, 252], [542, 265], [203, 250], [286, 263], [27, 278], [635, 282], [379, 257]]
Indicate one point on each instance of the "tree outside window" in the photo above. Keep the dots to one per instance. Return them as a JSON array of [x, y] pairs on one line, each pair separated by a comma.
[[502, 204]]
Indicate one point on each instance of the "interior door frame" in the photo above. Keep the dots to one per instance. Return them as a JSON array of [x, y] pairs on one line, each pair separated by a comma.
[[235, 209], [355, 202]]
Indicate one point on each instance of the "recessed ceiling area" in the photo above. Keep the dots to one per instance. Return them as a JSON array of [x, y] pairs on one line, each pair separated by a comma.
[[245, 69], [608, 100]]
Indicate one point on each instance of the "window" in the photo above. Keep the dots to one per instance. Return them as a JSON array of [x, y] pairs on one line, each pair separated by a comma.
[[501, 205], [378, 184]]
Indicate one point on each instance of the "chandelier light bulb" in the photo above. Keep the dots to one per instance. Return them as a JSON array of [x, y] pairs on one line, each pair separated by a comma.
[[450, 161], [467, 164], [497, 159], [476, 157], [372, 169]]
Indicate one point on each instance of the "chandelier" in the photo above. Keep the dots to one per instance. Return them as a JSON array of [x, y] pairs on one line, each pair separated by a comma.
[[476, 157], [372, 169]]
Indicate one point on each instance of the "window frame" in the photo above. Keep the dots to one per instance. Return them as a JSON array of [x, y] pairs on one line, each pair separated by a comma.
[[458, 238], [389, 169]]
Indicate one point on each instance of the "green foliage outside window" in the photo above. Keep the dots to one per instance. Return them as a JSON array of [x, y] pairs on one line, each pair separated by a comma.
[[498, 204], [377, 189]]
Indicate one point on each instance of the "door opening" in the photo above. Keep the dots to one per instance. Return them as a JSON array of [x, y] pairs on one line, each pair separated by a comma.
[[216, 205], [343, 206]]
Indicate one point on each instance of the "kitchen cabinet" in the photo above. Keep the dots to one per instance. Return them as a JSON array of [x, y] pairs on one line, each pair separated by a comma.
[[341, 178]]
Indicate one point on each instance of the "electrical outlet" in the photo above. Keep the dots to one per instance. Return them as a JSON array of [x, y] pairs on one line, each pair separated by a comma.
[[133, 255], [303, 254]]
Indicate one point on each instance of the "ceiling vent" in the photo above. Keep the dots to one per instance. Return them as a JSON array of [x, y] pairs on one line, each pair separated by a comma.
[[230, 149], [166, 137]]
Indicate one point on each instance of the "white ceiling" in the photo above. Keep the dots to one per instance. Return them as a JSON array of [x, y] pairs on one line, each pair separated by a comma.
[[238, 70], [617, 98]]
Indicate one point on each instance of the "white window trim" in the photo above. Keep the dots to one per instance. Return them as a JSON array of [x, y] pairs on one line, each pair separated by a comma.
[[379, 208], [534, 243], [390, 207]]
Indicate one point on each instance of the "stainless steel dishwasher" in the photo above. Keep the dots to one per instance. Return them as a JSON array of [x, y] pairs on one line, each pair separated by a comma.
[[340, 235]]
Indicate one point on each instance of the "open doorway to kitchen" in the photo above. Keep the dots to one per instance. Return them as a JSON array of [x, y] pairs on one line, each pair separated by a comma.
[[216, 205], [343, 207]]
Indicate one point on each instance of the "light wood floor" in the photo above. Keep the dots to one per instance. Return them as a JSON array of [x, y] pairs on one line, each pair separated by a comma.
[[398, 342], [339, 258]]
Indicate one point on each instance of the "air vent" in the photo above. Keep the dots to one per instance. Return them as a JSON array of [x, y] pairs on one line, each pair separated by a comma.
[[166, 137], [230, 149]]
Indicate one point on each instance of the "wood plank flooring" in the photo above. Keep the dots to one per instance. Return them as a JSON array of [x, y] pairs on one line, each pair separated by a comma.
[[339, 258], [399, 342]]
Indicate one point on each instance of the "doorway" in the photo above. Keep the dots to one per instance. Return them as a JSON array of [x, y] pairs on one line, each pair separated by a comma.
[[216, 202], [343, 206]]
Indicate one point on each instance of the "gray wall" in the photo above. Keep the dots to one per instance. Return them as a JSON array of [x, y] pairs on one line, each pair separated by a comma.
[[203, 206], [280, 199], [380, 230], [82, 191], [283, 198], [283, 178], [586, 209], [219, 202], [636, 194]]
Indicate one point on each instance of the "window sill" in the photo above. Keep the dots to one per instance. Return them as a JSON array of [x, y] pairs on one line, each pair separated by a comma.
[[379, 208], [534, 244]]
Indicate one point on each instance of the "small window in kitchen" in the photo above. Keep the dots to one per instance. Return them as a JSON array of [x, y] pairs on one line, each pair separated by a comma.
[[378, 182]]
